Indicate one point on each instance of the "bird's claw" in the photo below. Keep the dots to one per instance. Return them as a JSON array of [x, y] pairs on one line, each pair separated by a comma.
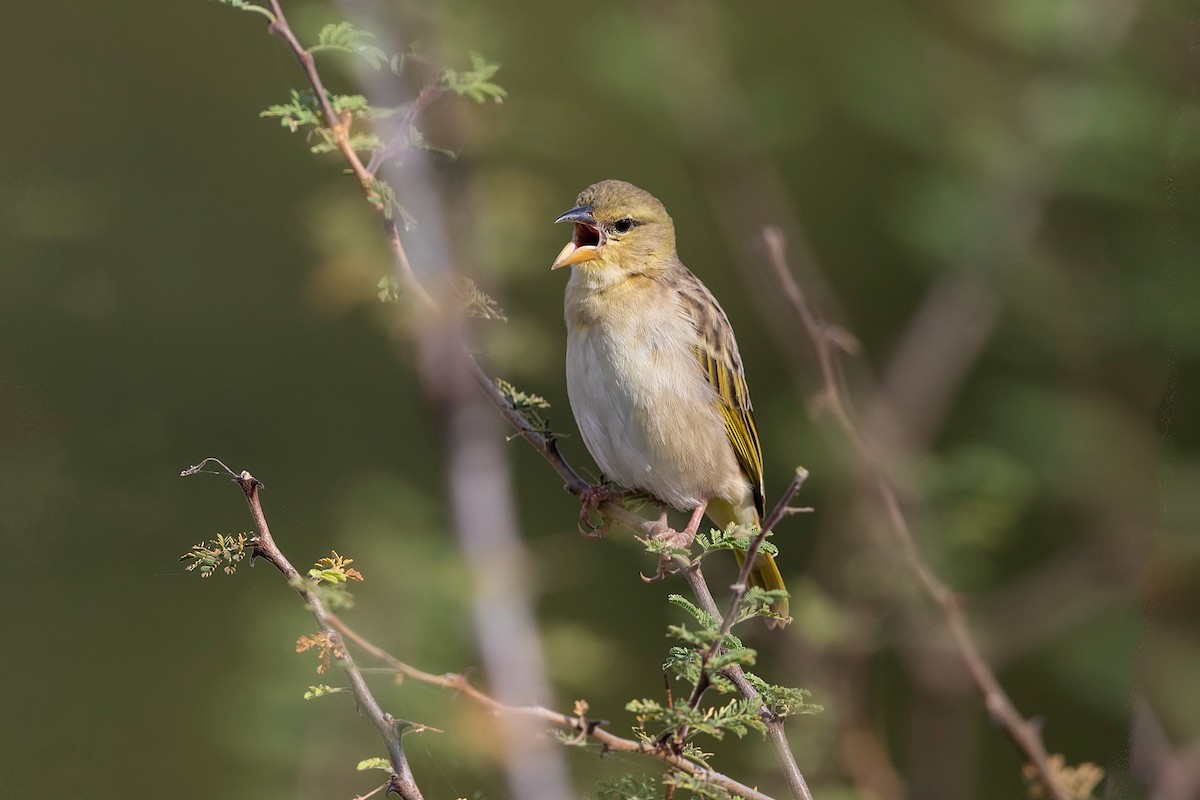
[[663, 532], [590, 500], [665, 568], [589, 531]]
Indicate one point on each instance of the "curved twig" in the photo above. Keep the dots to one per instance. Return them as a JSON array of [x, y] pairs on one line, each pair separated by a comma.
[[1023, 733], [402, 781]]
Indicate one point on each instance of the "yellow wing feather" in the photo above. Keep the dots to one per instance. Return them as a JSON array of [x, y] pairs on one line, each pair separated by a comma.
[[717, 353]]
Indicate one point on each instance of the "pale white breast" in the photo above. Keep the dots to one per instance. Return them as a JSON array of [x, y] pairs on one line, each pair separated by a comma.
[[644, 407]]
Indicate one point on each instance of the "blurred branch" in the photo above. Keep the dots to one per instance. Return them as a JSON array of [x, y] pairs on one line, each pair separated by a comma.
[[1169, 772], [584, 728], [480, 495], [398, 142], [1024, 734], [941, 342], [389, 727], [480, 498]]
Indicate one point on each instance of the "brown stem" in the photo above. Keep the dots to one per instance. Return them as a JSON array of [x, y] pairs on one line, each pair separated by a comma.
[[775, 733], [402, 781], [585, 728], [1023, 733], [739, 589]]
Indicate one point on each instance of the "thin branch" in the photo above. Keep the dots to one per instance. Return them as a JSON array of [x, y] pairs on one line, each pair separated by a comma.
[[584, 728], [782, 509], [739, 588], [402, 781], [775, 732], [738, 591], [398, 143], [1023, 733], [479, 492]]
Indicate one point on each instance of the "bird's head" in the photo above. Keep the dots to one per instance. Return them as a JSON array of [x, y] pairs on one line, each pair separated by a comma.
[[618, 226]]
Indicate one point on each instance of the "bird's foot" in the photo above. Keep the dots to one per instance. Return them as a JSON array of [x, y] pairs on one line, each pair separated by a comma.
[[590, 500], [661, 531], [665, 567], [685, 537]]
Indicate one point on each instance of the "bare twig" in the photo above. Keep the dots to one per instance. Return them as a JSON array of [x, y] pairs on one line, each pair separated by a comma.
[[1170, 772], [389, 727], [484, 520], [782, 509], [1023, 733]]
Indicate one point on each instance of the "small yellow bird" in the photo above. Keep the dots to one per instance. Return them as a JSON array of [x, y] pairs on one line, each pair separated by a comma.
[[653, 372]]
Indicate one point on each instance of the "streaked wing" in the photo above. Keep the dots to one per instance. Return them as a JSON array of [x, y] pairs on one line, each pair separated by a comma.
[[717, 352]]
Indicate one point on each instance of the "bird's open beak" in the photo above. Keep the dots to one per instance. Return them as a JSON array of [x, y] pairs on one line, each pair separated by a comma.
[[585, 241]]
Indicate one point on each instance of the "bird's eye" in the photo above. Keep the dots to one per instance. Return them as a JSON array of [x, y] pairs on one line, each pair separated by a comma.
[[623, 225]]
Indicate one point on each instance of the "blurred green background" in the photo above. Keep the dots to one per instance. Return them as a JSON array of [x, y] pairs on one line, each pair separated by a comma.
[[998, 199]]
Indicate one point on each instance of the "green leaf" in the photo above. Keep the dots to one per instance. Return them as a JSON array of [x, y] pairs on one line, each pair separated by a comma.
[[703, 617], [345, 37], [528, 405], [697, 787], [479, 304], [375, 763], [389, 290], [223, 552], [627, 787], [476, 82], [302, 111]]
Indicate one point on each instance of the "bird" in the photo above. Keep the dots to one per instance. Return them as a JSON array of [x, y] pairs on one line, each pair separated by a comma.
[[654, 376]]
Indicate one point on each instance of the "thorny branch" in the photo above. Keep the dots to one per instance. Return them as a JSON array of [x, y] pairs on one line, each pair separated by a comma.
[[579, 724], [739, 589], [338, 632], [402, 781], [774, 723], [1023, 733]]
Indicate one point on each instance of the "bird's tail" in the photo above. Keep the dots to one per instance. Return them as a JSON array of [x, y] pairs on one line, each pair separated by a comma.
[[764, 573]]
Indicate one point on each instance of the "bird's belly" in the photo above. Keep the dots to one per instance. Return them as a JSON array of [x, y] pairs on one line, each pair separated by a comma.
[[648, 416]]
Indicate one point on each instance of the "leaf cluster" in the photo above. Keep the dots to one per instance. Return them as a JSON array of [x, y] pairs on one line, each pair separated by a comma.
[[223, 552], [627, 787], [346, 38], [689, 659], [328, 650], [697, 787], [304, 110], [327, 579], [656, 721], [734, 537], [475, 302], [1079, 781], [322, 690], [476, 82], [528, 405]]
